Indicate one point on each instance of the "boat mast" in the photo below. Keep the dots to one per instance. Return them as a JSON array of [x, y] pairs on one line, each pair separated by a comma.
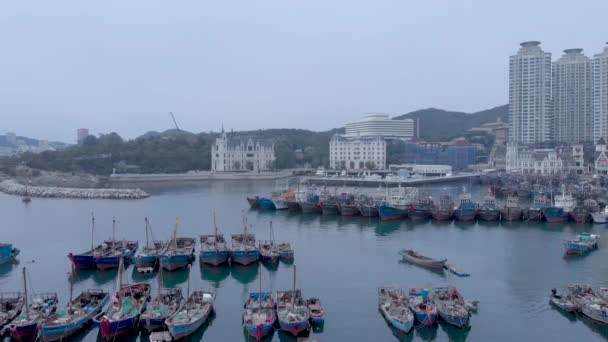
[[113, 231], [260, 271], [27, 308], [71, 289], [147, 240], [92, 231], [215, 229], [293, 297]]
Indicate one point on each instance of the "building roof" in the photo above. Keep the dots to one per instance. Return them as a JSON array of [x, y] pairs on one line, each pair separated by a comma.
[[235, 141]]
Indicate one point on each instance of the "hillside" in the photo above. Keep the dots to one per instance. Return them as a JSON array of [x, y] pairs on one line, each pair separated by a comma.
[[440, 125]]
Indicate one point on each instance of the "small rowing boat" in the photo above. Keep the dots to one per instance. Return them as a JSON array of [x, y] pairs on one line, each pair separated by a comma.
[[317, 313], [11, 304], [582, 243], [259, 317], [451, 306], [394, 307], [421, 260], [192, 315], [425, 312], [179, 252], [562, 302], [214, 250]]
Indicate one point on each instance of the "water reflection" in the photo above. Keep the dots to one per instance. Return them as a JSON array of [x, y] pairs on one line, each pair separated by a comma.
[[599, 328], [454, 333], [437, 271], [283, 336], [244, 274], [99, 277], [6, 268], [142, 277], [427, 333], [386, 228], [177, 277], [267, 338], [214, 274]]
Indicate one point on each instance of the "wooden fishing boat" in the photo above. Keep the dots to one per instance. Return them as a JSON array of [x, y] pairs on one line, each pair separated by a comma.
[[600, 217], [244, 249], [561, 208], [394, 307], [451, 306], [268, 251], [253, 202], [421, 260], [292, 313], [330, 206], [25, 326], [192, 314], [11, 304], [347, 205], [122, 316], [445, 210], [535, 211], [8, 253], [582, 243], [420, 209], [166, 303], [602, 292], [114, 251], [511, 211], [259, 317], [148, 258], [310, 207], [214, 250], [317, 313], [78, 314], [179, 252], [466, 211], [488, 210], [562, 302], [86, 260], [424, 310], [285, 251], [588, 302]]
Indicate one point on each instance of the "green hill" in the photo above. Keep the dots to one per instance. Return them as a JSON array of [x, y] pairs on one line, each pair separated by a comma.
[[440, 125]]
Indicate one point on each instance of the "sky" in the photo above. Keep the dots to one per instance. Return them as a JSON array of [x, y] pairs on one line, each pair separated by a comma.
[[124, 65]]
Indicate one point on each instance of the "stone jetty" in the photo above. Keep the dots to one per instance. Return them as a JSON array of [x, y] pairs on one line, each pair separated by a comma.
[[14, 188]]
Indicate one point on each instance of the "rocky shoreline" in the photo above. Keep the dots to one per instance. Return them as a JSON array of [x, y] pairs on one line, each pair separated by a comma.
[[13, 188]]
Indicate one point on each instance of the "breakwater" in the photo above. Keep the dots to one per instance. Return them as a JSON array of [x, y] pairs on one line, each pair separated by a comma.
[[13, 188]]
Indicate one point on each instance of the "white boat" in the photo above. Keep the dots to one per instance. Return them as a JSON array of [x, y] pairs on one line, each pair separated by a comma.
[[565, 200], [589, 303], [600, 216]]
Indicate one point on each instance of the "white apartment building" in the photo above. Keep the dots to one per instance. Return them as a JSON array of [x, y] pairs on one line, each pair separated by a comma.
[[600, 95], [380, 125], [241, 154], [572, 98], [360, 153], [530, 104]]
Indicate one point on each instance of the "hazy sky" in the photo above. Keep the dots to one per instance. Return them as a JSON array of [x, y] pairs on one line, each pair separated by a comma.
[[316, 64]]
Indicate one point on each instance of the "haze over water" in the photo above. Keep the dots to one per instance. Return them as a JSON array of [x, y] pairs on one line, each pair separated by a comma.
[[340, 260]]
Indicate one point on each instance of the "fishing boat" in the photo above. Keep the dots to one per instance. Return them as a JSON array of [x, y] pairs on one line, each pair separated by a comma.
[[561, 208], [86, 260], [347, 205], [34, 313], [329, 206], [78, 313], [259, 317], [600, 217], [511, 211], [602, 292], [114, 251], [244, 249], [11, 304], [253, 202], [285, 251], [424, 311], [562, 302], [317, 313], [488, 210], [311, 204], [214, 249], [394, 307], [292, 313], [421, 260], [582, 213], [163, 306], [281, 195], [582, 243], [451, 306], [148, 258], [266, 204], [466, 211], [27, 198], [268, 249], [445, 210], [535, 211], [8, 253], [395, 205], [179, 252], [368, 206], [420, 209], [588, 302], [192, 315], [123, 314]]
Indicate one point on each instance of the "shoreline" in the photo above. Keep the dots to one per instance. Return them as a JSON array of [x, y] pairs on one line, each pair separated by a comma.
[[11, 187], [197, 176]]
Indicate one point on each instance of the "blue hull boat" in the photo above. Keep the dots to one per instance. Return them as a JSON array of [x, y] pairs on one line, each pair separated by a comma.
[[245, 257], [555, 214], [266, 203], [214, 258], [465, 214], [7, 253], [143, 261], [174, 262], [390, 213]]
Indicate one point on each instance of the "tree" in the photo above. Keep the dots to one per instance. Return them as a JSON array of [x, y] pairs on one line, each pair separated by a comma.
[[342, 164], [370, 165], [90, 140]]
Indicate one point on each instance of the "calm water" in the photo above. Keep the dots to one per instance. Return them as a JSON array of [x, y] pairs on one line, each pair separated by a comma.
[[340, 260]]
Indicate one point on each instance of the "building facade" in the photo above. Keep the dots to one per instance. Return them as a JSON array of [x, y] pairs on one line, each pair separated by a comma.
[[380, 125], [600, 95], [359, 153], [81, 134], [533, 161], [530, 104], [233, 153], [572, 98]]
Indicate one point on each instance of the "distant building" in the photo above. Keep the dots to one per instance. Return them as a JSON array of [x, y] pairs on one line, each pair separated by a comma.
[[234, 153], [361, 153], [458, 154], [423, 170], [81, 134], [11, 138], [533, 161], [530, 103], [572, 89], [601, 158], [600, 95], [461, 154], [380, 125]]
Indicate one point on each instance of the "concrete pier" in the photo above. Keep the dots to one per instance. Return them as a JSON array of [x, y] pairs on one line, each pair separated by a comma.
[[415, 181]]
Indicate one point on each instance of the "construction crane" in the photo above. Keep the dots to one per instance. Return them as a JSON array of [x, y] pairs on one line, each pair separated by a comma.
[[175, 122]]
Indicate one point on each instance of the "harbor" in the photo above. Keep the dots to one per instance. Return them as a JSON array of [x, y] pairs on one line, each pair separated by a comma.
[[524, 261]]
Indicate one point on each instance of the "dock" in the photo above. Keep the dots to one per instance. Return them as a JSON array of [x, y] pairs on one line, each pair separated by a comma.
[[413, 181]]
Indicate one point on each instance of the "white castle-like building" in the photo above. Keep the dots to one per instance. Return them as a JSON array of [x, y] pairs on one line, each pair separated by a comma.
[[241, 153]]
